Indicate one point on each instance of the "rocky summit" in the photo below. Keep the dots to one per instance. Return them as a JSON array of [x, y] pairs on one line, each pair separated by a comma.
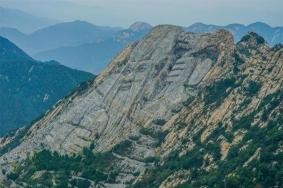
[[176, 109]]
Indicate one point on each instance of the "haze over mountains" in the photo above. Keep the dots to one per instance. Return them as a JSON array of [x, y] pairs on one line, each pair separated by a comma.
[[59, 35], [273, 35], [95, 56], [23, 21], [28, 88], [77, 44], [85, 46]]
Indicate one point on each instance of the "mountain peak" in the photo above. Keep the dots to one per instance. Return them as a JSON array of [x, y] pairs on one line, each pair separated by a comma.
[[140, 26], [157, 109], [156, 68]]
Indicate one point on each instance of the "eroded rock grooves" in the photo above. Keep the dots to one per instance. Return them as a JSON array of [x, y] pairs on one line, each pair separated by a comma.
[[168, 93]]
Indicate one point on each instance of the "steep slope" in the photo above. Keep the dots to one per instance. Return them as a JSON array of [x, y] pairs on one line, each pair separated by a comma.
[[270, 34], [29, 88], [94, 57], [175, 109], [21, 20]]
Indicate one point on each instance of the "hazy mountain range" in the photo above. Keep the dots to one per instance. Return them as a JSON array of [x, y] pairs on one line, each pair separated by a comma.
[[28, 88], [58, 35], [23, 21], [77, 44], [85, 46], [88, 47], [273, 35], [95, 56]]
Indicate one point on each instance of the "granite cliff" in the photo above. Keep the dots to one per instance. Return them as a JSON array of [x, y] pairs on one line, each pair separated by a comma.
[[174, 109]]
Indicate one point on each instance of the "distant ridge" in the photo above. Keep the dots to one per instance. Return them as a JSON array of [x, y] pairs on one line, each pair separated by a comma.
[[23, 21], [85, 46], [95, 56], [273, 35], [58, 35]]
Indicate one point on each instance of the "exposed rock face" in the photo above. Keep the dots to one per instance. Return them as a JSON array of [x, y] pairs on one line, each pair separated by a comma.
[[161, 85], [149, 84]]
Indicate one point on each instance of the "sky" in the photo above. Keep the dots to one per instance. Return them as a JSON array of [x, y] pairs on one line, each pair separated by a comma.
[[178, 12]]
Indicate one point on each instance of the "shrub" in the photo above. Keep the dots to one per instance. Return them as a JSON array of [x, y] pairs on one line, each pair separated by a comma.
[[122, 147], [233, 181], [80, 183], [245, 38], [253, 88], [12, 176], [188, 101], [151, 159], [238, 60], [244, 122], [180, 125], [260, 40], [269, 103], [185, 185], [159, 121], [233, 152], [61, 167], [134, 137], [217, 92], [176, 110], [146, 131], [214, 148]]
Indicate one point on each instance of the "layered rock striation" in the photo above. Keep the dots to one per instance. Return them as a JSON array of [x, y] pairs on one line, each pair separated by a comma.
[[165, 96]]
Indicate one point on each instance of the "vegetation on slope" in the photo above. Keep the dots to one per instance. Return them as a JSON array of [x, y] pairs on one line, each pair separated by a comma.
[[234, 171], [29, 88], [49, 169]]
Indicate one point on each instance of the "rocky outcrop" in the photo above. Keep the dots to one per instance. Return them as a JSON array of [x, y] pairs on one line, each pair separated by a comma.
[[156, 98]]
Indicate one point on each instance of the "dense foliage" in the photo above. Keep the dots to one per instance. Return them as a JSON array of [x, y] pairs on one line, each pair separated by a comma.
[[49, 169], [237, 170], [216, 93], [29, 88]]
